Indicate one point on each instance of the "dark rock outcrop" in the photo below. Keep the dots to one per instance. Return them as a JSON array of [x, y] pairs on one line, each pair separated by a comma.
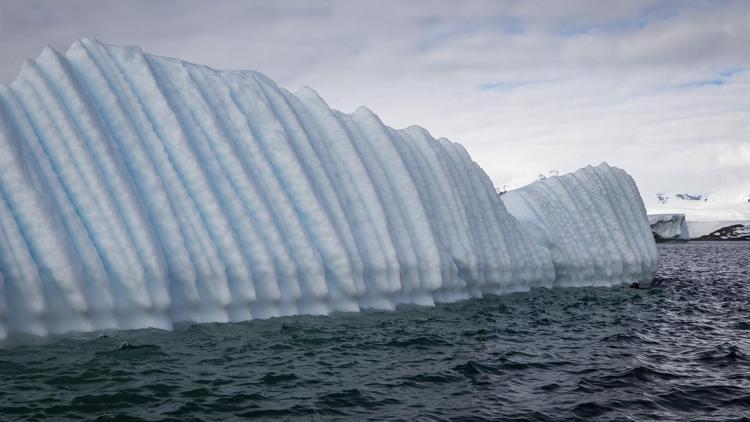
[[733, 232]]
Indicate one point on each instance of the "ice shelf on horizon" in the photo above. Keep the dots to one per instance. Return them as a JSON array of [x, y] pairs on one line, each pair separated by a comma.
[[666, 227], [138, 191]]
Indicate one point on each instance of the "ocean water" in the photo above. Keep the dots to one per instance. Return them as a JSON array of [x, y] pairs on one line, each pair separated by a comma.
[[679, 350]]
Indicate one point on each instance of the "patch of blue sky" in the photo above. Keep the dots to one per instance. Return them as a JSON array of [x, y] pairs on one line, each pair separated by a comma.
[[505, 86], [645, 17], [702, 83], [723, 76], [731, 71], [443, 37], [508, 25], [512, 25]]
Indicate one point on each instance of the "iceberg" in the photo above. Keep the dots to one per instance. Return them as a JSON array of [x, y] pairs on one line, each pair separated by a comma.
[[668, 227], [139, 191], [594, 223]]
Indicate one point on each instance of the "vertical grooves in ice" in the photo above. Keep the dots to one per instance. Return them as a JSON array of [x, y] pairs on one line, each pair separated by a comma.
[[138, 191], [593, 223]]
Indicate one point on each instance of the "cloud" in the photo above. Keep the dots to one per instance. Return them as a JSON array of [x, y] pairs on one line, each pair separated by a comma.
[[656, 87]]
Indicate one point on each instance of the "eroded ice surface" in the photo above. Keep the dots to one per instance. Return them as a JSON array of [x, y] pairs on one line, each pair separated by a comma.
[[594, 223], [138, 191]]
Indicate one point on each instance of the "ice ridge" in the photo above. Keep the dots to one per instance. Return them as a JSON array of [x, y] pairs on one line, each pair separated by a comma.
[[139, 191], [594, 223]]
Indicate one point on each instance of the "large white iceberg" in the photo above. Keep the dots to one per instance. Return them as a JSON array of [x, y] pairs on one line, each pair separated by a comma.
[[138, 191]]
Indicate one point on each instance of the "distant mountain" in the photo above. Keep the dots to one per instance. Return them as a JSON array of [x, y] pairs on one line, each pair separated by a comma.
[[664, 198], [725, 205]]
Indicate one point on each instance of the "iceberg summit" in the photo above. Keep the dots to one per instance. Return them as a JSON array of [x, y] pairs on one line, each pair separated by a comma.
[[138, 191]]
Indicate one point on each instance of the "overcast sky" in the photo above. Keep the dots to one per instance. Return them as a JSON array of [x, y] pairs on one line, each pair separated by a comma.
[[659, 88]]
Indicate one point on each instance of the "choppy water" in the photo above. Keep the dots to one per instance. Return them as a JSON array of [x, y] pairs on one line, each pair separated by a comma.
[[679, 350]]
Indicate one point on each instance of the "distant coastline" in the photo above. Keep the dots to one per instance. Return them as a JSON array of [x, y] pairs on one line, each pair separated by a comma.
[[679, 228]]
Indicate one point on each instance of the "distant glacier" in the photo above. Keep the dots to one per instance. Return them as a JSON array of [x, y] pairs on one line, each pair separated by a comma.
[[138, 191]]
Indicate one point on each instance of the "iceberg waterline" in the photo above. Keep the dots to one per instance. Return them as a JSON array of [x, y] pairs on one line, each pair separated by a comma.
[[137, 191]]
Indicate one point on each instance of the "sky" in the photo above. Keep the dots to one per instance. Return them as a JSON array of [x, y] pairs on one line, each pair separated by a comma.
[[658, 88]]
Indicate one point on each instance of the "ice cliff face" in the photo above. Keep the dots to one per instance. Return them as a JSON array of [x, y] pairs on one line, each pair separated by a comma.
[[669, 227], [594, 223], [138, 191]]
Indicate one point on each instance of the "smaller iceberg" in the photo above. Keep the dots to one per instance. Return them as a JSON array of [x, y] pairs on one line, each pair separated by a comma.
[[593, 222], [669, 227]]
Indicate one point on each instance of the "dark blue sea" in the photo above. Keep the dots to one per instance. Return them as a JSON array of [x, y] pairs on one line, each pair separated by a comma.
[[679, 350]]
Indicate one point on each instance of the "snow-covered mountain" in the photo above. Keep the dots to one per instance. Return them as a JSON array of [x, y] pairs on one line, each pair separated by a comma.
[[704, 212], [725, 205]]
